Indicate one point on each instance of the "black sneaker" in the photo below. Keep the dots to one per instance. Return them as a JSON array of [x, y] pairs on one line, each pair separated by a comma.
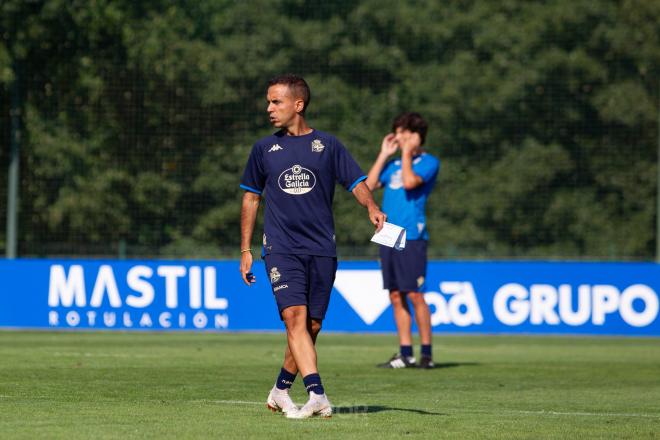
[[426, 362], [399, 361]]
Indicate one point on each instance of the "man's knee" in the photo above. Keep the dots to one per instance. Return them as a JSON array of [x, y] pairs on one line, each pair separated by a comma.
[[396, 298], [295, 317], [417, 298], [315, 326]]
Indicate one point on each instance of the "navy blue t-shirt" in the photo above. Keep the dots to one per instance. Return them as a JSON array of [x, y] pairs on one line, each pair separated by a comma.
[[297, 175]]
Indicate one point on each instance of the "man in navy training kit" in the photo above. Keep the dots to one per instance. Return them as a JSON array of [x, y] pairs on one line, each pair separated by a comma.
[[296, 169], [408, 181]]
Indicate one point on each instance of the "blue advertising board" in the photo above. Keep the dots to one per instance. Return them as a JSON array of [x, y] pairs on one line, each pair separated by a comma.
[[465, 297]]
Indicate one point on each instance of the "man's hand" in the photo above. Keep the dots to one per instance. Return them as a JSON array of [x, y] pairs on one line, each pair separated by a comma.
[[377, 217], [389, 145], [365, 198], [408, 141], [387, 148], [248, 217], [246, 266]]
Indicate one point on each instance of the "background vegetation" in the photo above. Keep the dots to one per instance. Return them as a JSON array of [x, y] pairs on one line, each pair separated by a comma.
[[138, 118]]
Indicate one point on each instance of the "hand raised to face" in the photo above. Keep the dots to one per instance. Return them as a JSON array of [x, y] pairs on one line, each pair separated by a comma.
[[408, 141], [389, 145]]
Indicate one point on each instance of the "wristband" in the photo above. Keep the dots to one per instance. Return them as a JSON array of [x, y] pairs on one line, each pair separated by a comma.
[[246, 250]]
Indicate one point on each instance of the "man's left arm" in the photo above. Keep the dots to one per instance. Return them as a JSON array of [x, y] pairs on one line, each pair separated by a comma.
[[365, 198], [411, 180], [350, 176], [415, 175]]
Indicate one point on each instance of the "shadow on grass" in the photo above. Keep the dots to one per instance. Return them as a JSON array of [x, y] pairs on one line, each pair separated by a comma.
[[438, 366], [366, 409], [455, 364]]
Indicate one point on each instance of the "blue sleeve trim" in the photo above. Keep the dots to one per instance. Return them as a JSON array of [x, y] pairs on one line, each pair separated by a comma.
[[358, 180], [248, 188]]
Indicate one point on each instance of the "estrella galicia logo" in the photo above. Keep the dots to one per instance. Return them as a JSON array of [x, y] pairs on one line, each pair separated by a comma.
[[297, 180]]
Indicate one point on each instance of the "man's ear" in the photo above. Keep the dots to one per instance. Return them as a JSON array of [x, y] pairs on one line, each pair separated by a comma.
[[300, 105]]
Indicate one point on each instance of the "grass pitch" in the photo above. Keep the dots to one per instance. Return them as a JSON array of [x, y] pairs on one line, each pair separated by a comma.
[[186, 385]]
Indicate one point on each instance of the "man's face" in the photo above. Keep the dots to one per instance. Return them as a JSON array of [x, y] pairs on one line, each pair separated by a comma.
[[407, 139], [282, 106]]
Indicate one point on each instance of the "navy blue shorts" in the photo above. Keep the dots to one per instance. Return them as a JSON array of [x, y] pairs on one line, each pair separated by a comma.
[[302, 280], [404, 270]]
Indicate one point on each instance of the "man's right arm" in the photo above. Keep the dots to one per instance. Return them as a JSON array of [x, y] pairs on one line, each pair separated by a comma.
[[373, 177], [388, 147], [249, 210]]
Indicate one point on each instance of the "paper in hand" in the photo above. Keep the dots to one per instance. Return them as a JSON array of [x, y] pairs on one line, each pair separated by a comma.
[[391, 236]]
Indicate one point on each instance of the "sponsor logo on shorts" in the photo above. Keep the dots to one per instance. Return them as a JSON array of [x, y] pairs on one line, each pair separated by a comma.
[[297, 180], [274, 275], [317, 146], [420, 281], [280, 287]]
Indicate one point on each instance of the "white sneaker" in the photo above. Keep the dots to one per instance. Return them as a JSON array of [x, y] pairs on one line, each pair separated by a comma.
[[317, 405], [279, 400]]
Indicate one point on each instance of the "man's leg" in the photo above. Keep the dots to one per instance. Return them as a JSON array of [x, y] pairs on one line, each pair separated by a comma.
[[404, 358], [423, 319], [321, 276], [279, 398], [313, 327], [401, 317], [289, 274], [301, 334], [300, 342], [422, 316]]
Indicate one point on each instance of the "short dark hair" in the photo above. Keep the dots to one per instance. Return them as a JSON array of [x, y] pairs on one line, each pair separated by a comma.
[[411, 121], [296, 84]]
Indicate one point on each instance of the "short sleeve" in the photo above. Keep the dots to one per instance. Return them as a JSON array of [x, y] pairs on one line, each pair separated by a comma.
[[254, 177], [427, 167], [347, 171]]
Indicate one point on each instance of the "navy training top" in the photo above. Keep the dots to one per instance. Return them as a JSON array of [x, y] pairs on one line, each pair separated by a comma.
[[297, 175]]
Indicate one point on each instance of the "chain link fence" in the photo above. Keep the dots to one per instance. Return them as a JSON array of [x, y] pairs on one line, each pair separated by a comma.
[[135, 130]]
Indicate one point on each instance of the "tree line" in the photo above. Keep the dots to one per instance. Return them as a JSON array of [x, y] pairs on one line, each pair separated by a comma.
[[137, 118]]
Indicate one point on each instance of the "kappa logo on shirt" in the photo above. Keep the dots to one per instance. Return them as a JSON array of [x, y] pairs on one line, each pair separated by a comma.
[[275, 147], [296, 180], [317, 146]]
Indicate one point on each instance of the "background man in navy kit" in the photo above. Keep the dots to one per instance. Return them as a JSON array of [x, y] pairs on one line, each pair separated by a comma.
[[298, 168], [408, 181]]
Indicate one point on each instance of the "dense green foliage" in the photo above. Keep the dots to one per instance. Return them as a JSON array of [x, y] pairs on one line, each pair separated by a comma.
[[138, 117], [189, 386]]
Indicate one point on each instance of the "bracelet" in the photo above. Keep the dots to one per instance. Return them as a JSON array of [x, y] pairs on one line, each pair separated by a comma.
[[246, 250]]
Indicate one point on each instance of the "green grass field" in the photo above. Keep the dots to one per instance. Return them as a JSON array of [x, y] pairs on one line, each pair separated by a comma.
[[187, 385]]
